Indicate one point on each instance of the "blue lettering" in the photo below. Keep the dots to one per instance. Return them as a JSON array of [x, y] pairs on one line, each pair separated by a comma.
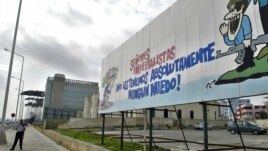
[[118, 87], [138, 93], [125, 85], [137, 81], [200, 56], [163, 86], [161, 71]]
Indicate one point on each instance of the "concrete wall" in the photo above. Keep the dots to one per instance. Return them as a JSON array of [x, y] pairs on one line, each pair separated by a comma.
[[87, 106], [91, 106], [263, 123], [95, 106], [53, 124], [212, 111], [133, 122], [112, 122], [214, 123], [70, 143]]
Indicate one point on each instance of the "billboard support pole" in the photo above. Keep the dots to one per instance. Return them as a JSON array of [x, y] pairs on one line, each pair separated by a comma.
[[122, 131], [150, 128], [144, 127], [103, 127], [128, 130], [205, 127], [180, 123], [149, 125], [237, 125]]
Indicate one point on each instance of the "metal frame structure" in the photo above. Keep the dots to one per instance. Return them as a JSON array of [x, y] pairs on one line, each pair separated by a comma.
[[152, 142]]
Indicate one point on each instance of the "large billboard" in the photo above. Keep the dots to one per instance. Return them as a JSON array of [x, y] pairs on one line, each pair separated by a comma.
[[197, 50]]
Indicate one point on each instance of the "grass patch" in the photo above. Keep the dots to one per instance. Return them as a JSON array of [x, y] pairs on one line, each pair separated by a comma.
[[39, 125], [110, 143]]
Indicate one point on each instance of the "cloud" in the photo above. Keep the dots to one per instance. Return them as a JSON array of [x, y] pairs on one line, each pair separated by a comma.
[[68, 37], [2, 82], [72, 17], [6, 38], [48, 52]]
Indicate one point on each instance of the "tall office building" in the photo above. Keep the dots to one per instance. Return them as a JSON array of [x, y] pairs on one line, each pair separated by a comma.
[[64, 98]]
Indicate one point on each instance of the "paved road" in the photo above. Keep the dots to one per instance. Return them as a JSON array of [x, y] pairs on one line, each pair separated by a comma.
[[214, 136], [33, 141]]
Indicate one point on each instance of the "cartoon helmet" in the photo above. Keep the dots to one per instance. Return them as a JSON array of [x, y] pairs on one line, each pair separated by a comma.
[[244, 2]]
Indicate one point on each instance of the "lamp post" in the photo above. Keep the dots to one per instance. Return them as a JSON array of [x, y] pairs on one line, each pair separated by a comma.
[[19, 91], [21, 103], [2, 133], [22, 64]]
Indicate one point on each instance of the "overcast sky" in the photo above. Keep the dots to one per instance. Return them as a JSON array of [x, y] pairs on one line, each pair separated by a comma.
[[66, 36]]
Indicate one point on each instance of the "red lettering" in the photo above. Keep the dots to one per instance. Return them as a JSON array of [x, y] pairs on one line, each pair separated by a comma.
[[143, 62]]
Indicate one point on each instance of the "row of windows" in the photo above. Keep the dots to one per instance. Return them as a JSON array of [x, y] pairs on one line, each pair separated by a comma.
[[53, 113], [80, 89], [179, 114], [80, 82], [76, 94], [74, 81]]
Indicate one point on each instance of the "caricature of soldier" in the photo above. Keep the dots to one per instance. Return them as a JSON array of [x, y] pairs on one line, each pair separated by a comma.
[[238, 30], [263, 4], [107, 92]]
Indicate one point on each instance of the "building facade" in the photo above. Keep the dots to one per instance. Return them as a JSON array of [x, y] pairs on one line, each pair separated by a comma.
[[249, 112], [64, 98], [193, 111], [226, 112]]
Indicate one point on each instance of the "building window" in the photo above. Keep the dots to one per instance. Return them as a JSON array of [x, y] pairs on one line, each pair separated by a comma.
[[153, 112], [165, 113], [191, 114], [179, 114]]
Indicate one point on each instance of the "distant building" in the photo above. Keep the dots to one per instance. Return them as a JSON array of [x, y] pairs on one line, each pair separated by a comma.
[[237, 102], [191, 111], [226, 112], [64, 98], [266, 103], [249, 112]]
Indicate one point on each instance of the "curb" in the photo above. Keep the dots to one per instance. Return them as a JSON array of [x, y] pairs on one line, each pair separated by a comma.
[[70, 143]]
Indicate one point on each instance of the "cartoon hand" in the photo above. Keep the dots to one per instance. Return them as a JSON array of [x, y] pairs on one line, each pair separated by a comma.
[[223, 28], [247, 42]]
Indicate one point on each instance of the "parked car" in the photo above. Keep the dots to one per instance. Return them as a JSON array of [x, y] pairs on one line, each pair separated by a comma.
[[200, 126], [245, 127]]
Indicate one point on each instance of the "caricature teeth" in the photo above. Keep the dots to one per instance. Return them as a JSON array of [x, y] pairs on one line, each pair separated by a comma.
[[234, 22]]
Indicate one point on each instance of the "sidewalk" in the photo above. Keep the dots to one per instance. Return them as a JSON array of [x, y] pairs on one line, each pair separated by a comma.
[[33, 141]]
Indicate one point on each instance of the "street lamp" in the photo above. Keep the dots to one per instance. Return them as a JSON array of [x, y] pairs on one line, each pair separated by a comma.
[[19, 91], [18, 79], [3, 139]]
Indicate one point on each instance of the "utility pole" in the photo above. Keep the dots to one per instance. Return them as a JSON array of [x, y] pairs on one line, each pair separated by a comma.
[[2, 131]]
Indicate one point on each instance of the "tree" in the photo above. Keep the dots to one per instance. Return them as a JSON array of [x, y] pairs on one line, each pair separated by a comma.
[[263, 115]]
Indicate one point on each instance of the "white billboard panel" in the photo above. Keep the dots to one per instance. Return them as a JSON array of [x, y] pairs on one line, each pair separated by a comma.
[[198, 50]]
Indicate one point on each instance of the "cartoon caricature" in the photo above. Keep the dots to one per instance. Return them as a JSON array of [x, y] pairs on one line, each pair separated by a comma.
[[237, 34], [263, 9], [108, 84], [238, 31]]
